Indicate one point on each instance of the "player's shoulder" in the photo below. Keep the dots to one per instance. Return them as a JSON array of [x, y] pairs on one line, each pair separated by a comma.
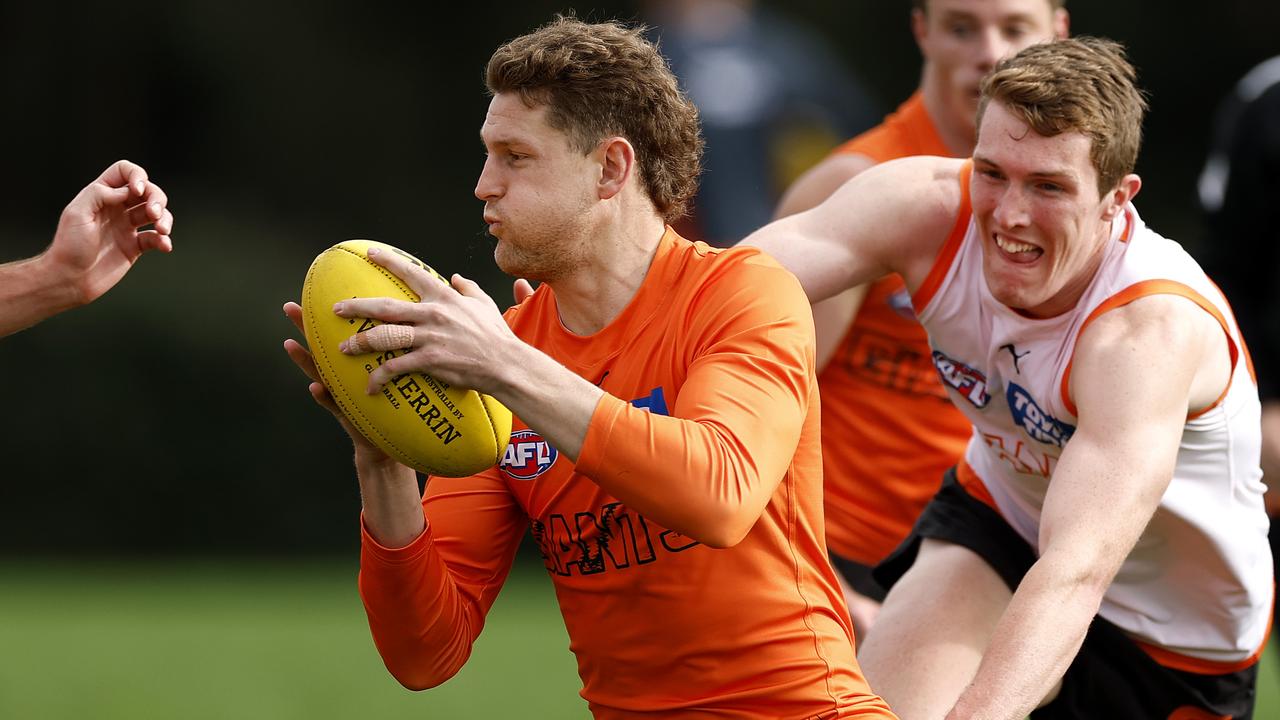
[[717, 267], [1153, 339], [1158, 322], [737, 280]]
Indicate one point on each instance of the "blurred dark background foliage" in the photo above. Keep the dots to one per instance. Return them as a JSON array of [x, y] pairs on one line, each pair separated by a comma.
[[165, 418]]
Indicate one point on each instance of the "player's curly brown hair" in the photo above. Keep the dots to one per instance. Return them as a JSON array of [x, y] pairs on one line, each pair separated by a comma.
[[603, 79], [1082, 85]]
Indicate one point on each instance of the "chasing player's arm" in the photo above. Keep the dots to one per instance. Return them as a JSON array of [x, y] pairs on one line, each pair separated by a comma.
[[833, 316], [893, 217], [1138, 371]]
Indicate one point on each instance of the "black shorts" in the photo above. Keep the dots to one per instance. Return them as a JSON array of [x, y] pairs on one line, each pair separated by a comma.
[[1111, 677], [858, 576]]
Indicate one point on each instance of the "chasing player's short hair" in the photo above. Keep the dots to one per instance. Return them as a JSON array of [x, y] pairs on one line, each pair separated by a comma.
[[603, 79], [1082, 85]]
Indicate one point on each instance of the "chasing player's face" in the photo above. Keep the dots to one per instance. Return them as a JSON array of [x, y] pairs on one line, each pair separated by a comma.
[[537, 191], [1043, 225], [961, 41]]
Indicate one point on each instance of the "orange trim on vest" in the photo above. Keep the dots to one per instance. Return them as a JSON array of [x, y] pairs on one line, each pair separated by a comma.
[[1200, 666], [951, 247], [1191, 712], [973, 485], [1248, 361], [1244, 345], [1144, 289], [1128, 227]]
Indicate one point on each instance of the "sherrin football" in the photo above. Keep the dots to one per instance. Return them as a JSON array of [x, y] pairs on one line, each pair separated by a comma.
[[416, 419]]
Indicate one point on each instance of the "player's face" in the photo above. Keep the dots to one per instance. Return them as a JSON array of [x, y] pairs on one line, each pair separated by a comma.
[[537, 190], [1043, 225], [962, 40]]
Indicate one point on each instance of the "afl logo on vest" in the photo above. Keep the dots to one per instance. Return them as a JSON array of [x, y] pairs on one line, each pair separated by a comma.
[[527, 455]]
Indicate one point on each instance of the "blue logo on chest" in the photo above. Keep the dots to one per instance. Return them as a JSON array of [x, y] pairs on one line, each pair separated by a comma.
[[1037, 423], [655, 402]]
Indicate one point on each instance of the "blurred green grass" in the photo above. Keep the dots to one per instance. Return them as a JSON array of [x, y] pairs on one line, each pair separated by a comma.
[[256, 640], [277, 640]]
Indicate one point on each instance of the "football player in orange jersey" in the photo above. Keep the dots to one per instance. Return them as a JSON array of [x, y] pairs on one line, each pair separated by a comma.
[[665, 453]]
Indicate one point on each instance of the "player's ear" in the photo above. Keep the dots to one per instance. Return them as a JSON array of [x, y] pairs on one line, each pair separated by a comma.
[[617, 166], [920, 29], [1061, 23], [1122, 194]]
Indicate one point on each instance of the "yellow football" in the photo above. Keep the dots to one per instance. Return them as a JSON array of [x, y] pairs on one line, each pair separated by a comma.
[[416, 419]]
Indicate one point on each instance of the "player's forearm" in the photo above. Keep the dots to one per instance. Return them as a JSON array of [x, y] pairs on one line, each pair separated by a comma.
[[686, 478], [1037, 638], [392, 504], [547, 396], [422, 625], [691, 476], [30, 291]]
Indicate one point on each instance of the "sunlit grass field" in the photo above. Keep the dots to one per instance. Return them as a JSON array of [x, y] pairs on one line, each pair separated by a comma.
[[259, 640], [274, 640]]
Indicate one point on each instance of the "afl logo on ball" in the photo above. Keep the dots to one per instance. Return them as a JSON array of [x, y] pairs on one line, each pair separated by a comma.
[[527, 455]]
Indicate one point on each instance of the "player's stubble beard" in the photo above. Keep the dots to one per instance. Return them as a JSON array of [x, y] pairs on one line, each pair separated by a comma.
[[545, 251]]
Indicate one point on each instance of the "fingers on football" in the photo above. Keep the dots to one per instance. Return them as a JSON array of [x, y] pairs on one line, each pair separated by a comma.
[[302, 358], [418, 278], [378, 339], [382, 374], [321, 395], [385, 309], [293, 311]]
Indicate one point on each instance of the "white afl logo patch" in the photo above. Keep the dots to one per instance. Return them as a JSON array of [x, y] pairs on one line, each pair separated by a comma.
[[527, 455]]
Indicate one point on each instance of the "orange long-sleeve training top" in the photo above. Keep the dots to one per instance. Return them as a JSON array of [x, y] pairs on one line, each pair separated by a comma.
[[888, 429], [711, 416]]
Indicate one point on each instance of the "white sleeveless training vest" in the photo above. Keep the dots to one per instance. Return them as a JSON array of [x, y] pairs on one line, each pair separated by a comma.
[[1198, 585]]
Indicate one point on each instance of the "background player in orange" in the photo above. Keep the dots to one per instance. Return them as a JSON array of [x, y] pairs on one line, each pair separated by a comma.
[[888, 430], [666, 452], [99, 237], [1102, 546]]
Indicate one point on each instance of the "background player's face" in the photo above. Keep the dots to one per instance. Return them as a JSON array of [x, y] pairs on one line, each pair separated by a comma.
[[961, 40], [1041, 220], [538, 191]]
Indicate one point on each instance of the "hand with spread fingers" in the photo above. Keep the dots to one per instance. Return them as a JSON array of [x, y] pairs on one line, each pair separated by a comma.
[[103, 231], [455, 334]]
